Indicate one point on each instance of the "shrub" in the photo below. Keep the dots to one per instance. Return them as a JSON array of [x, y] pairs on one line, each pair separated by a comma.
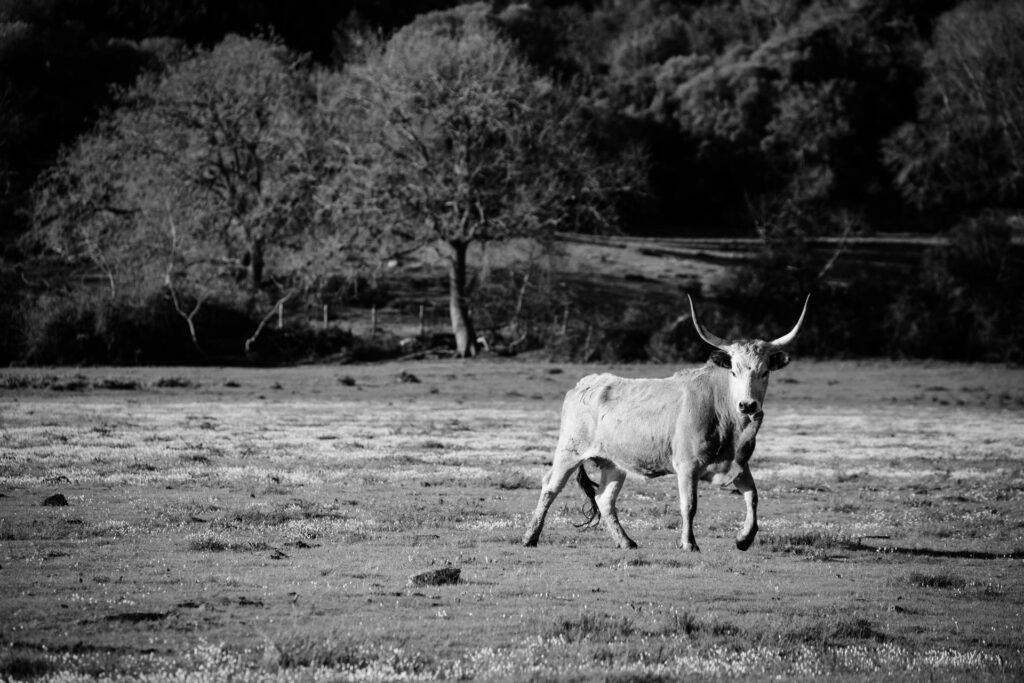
[[22, 665], [608, 329], [965, 304], [11, 312], [762, 298], [76, 328], [60, 331], [300, 342], [133, 333]]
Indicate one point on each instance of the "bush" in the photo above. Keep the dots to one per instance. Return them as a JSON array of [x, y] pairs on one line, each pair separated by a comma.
[[302, 342], [12, 331], [141, 333], [848, 301], [60, 331], [609, 330], [966, 303], [77, 328]]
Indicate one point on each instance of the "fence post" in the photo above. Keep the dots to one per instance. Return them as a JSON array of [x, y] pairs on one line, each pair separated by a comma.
[[373, 321], [280, 314], [325, 316], [422, 331]]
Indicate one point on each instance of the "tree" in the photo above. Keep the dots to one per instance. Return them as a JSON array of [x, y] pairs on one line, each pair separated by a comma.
[[202, 182], [463, 144], [797, 112], [967, 147], [54, 81]]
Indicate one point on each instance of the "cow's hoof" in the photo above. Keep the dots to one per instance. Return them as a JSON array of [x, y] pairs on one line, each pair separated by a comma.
[[628, 544], [529, 542], [690, 547], [746, 537]]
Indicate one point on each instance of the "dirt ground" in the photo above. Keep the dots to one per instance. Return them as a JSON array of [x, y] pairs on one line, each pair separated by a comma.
[[264, 524]]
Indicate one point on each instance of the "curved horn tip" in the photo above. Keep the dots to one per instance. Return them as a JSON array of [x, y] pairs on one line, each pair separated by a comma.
[[708, 337], [791, 335]]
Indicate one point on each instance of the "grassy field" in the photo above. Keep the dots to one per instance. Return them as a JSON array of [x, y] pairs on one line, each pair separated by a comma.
[[265, 524]]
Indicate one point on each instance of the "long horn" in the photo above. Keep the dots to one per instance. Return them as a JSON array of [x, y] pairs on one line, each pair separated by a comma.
[[717, 342], [787, 338]]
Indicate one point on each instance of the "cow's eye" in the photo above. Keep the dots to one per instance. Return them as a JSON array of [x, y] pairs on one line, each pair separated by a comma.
[[764, 374], [732, 372]]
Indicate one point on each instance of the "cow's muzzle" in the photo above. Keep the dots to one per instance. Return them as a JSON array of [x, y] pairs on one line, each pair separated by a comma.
[[748, 407]]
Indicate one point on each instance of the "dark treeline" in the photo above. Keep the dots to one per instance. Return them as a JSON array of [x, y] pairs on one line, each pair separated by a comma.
[[788, 119], [60, 61]]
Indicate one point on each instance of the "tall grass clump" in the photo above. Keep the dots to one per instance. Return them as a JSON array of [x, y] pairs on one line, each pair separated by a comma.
[[588, 626], [345, 653], [831, 630], [813, 544], [942, 580]]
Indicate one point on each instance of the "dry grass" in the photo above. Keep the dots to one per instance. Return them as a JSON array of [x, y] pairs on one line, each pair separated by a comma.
[[269, 534]]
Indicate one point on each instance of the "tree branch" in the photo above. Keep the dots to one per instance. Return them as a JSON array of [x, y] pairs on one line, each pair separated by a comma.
[[259, 328]]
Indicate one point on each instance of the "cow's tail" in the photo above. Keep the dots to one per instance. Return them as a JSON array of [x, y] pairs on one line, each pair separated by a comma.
[[591, 511]]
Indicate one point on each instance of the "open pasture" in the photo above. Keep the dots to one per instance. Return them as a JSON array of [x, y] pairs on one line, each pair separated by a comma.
[[265, 524]]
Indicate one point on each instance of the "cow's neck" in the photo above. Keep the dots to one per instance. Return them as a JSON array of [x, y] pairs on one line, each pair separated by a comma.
[[725, 408]]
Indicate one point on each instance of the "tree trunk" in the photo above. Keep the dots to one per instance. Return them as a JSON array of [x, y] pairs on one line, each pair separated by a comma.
[[462, 324], [256, 264]]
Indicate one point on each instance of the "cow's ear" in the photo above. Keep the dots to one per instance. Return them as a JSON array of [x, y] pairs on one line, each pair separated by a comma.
[[778, 360], [721, 359]]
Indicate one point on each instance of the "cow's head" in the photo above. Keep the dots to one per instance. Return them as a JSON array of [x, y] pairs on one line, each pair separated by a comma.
[[749, 362]]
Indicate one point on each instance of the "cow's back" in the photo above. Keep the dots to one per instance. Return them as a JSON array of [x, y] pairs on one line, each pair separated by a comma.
[[629, 421]]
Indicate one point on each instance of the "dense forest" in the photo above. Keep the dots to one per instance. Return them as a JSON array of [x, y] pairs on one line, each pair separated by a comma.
[[171, 173]]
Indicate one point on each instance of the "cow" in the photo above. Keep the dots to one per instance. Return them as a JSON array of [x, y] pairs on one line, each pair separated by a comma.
[[699, 424]]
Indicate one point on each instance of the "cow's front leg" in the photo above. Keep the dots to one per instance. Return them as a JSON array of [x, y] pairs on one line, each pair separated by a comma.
[[746, 439], [745, 483], [688, 507]]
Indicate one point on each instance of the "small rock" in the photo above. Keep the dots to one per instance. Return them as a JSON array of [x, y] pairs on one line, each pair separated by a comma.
[[407, 377], [56, 500], [436, 577]]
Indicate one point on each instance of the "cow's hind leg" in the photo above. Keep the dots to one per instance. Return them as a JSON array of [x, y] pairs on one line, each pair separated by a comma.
[[612, 479], [745, 483], [554, 481]]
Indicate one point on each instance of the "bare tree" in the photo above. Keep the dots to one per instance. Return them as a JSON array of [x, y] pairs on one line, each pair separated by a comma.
[[222, 149], [460, 142]]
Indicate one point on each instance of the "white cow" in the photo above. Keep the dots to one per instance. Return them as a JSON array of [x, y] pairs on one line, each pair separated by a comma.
[[699, 424]]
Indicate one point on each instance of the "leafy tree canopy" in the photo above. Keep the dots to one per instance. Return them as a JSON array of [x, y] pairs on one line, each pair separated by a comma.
[[966, 149]]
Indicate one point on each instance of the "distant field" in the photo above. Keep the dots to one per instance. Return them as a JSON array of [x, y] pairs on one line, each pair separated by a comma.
[[264, 524]]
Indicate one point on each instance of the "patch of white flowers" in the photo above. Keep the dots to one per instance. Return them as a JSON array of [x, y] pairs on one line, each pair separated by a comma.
[[538, 656]]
